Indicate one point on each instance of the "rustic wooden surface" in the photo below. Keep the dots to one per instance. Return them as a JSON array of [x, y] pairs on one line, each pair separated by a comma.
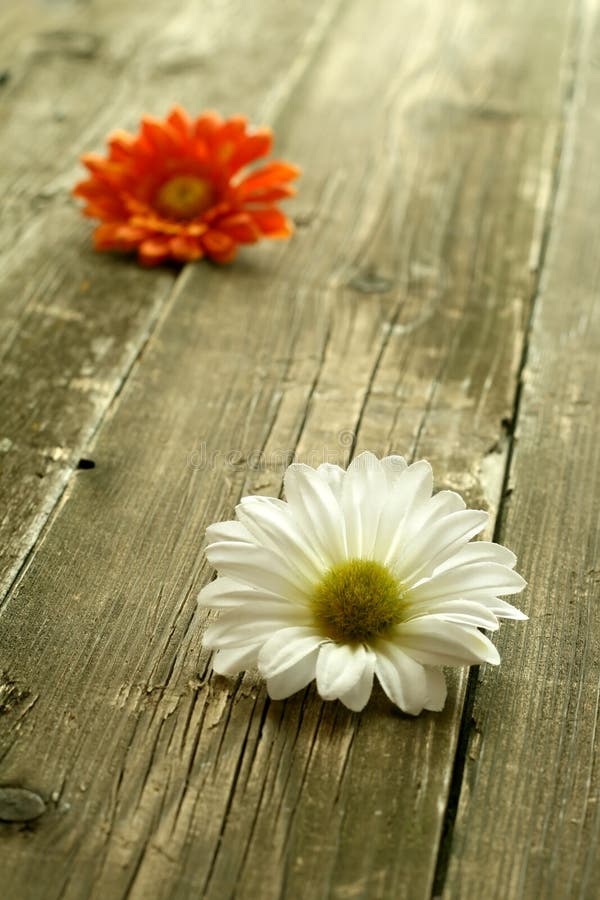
[[437, 300]]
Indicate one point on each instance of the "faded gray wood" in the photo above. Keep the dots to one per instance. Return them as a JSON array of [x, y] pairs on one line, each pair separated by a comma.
[[529, 816], [395, 320], [72, 322]]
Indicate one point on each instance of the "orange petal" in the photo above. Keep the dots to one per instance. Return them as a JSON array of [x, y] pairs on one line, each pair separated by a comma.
[[96, 163], [185, 249], [270, 194], [118, 236], [106, 175], [268, 176], [129, 234], [218, 246], [107, 210], [153, 251], [239, 228], [219, 209], [233, 129], [81, 188], [160, 135], [227, 141], [196, 229], [272, 222], [120, 145], [180, 121], [253, 147], [95, 189], [223, 258], [206, 125], [104, 236]]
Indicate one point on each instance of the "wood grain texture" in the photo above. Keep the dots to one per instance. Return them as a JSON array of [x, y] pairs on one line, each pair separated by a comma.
[[529, 816], [394, 320], [72, 322]]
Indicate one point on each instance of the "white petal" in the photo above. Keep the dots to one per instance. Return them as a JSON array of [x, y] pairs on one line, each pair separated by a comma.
[[502, 609], [364, 494], [435, 544], [275, 502], [339, 668], [441, 504], [237, 659], [317, 511], [401, 677], [417, 482], [479, 552], [224, 593], [393, 466], [411, 489], [294, 678], [285, 648], [334, 477], [226, 632], [463, 612], [273, 527], [227, 531], [287, 613], [259, 567], [468, 581], [436, 643], [242, 625], [436, 689], [357, 697]]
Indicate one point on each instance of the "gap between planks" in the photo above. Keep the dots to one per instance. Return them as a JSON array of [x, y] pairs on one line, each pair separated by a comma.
[[537, 260]]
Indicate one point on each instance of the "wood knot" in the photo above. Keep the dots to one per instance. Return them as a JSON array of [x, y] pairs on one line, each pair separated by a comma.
[[74, 44], [20, 805], [370, 282]]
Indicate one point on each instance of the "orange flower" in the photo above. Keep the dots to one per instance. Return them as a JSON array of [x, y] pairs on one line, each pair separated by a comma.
[[180, 189]]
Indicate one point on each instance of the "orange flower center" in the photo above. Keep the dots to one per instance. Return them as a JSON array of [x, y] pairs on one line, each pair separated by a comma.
[[184, 197]]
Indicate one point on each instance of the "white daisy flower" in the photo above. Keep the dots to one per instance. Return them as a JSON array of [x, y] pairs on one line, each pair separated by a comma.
[[360, 573]]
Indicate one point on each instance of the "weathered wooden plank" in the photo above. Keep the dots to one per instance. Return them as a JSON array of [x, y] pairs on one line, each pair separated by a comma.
[[161, 781], [72, 324], [529, 816], [457, 249]]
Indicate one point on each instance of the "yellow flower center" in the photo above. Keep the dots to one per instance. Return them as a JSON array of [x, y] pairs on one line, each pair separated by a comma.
[[357, 600], [184, 197]]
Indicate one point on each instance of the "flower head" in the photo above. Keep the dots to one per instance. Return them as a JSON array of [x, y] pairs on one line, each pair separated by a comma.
[[361, 573], [180, 189]]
